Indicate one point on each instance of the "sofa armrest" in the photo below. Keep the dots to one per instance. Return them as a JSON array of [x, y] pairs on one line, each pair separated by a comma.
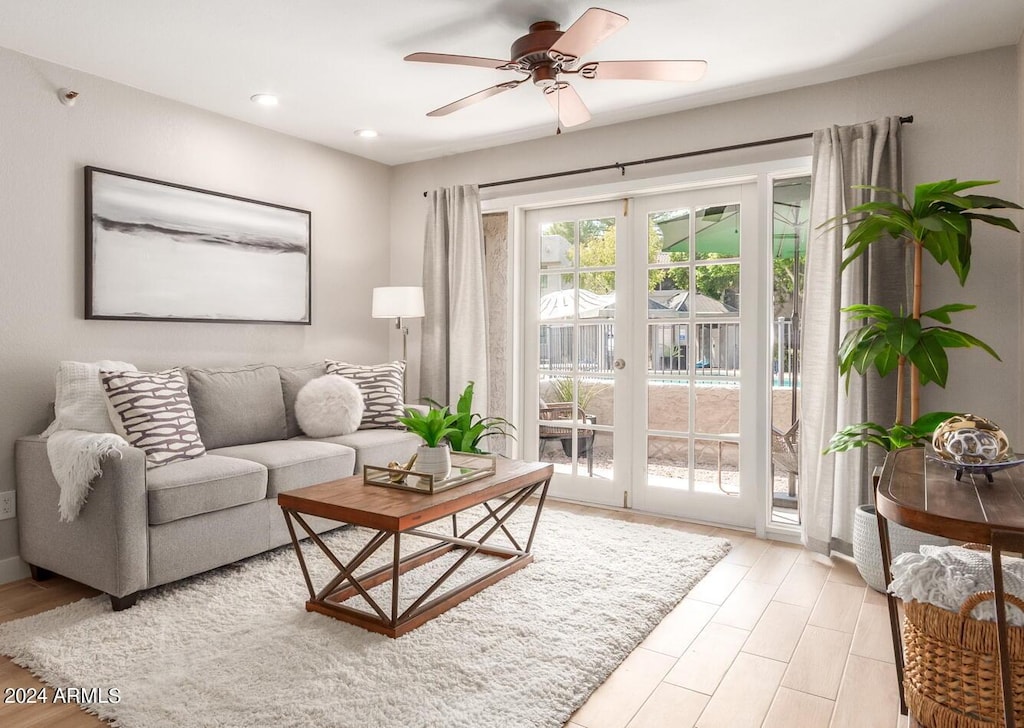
[[107, 545]]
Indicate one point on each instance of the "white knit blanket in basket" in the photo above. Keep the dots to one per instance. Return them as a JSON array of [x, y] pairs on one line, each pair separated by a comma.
[[946, 575]]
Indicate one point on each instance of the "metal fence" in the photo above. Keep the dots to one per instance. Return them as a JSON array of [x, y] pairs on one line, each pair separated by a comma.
[[709, 348]]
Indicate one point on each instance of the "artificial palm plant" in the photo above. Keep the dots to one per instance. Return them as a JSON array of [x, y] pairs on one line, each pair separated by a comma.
[[940, 221]]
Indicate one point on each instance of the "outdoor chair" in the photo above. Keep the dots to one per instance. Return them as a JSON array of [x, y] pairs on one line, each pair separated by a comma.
[[785, 457], [567, 413]]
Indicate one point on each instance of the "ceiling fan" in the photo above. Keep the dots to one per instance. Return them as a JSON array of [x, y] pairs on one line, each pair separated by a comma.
[[547, 52]]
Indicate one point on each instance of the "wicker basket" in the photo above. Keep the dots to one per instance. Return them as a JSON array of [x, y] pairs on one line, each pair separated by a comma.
[[952, 666]]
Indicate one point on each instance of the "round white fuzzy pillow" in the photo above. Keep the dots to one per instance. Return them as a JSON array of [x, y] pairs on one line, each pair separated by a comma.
[[329, 405]]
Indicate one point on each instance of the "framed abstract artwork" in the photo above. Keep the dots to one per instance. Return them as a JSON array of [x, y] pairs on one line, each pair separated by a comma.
[[157, 251]]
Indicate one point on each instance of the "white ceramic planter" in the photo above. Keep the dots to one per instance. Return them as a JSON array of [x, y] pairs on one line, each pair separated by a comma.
[[436, 461], [867, 551]]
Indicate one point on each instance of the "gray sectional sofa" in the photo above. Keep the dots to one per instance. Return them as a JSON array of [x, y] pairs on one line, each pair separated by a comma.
[[141, 528]]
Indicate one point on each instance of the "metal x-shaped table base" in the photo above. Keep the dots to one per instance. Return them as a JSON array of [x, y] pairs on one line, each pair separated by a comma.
[[388, 619]]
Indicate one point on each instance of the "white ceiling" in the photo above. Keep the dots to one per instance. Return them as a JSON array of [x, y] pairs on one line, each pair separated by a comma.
[[337, 64]]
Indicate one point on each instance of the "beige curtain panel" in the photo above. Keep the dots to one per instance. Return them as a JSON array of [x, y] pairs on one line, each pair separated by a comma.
[[454, 349], [832, 486]]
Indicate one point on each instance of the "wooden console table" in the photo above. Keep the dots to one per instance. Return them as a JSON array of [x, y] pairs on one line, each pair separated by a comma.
[[922, 494]]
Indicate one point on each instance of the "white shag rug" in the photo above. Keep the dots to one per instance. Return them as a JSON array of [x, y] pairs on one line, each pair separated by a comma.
[[235, 647]]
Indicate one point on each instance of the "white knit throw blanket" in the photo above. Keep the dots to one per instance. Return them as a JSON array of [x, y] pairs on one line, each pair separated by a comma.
[[946, 575], [75, 457]]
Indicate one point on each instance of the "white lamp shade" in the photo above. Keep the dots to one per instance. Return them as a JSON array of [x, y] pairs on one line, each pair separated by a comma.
[[398, 302]]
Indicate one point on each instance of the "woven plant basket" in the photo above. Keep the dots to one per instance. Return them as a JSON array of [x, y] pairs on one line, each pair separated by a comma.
[[951, 678], [868, 554]]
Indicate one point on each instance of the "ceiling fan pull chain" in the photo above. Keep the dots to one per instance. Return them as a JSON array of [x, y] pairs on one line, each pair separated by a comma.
[[558, 113]]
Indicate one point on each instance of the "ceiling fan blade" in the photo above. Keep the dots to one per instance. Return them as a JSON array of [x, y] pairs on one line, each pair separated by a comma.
[[456, 60], [645, 70], [568, 105], [589, 29], [474, 98]]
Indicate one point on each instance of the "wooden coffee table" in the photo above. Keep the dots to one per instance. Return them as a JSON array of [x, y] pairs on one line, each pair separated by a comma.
[[393, 514]]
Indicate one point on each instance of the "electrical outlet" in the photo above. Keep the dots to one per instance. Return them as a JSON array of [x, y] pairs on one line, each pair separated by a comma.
[[6, 505]]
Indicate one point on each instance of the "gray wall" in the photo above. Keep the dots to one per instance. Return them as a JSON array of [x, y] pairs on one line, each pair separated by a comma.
[[967, 124], [44, 147]]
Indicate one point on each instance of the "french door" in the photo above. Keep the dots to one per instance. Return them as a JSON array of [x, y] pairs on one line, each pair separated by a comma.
[[634, 351], [575, 349], [696, 414]]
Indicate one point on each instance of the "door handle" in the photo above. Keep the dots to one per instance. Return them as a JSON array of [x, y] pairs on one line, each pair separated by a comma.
[[619, 363]]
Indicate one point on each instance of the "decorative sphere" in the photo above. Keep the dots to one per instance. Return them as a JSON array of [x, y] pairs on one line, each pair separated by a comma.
[[970, 440]]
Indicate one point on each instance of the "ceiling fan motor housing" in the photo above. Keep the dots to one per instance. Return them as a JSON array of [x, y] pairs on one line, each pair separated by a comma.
[[531, 53]]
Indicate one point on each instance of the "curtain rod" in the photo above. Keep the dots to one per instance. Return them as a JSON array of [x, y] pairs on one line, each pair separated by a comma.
[[668, 157]]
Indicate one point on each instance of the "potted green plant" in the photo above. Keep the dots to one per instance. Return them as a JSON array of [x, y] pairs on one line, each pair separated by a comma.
[[471, 428], [432, 457], [938, 220]]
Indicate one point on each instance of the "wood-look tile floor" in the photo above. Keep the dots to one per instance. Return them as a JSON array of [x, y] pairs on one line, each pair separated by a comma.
[[773, 637]]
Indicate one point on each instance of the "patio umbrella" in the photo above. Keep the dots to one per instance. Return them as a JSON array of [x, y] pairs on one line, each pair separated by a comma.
[[718, 227], [562, 304]]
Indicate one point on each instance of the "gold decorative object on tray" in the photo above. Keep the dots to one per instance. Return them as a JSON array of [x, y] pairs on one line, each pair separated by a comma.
[[466, 468]]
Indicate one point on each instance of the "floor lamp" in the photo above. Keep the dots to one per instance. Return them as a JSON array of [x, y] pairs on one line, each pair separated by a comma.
[[399, 302]]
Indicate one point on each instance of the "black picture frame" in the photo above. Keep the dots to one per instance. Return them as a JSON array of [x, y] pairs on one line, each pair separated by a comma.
[[160, 251]]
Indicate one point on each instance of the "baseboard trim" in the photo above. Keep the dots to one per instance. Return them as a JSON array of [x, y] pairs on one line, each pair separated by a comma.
[[12, 569]]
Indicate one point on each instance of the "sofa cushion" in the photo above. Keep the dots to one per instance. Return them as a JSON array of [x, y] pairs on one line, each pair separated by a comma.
[[237, 405], [376, 447], [381, 385], [203, 485], [152, 411], [292, 380], [295, 464]]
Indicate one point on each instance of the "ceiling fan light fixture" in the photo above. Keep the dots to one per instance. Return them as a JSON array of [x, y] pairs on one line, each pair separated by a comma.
[[264, 99], [547, 52], [366, 133]]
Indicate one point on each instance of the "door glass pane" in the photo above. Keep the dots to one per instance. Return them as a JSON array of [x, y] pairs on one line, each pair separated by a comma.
[[716, 467], [668, 464], [557, 241], [555, 350], [790, 232], [667, 293], [668, 236], [718, 232], [597, 243], [596, 398], [668, 405], [717, 349], [718, 408], [597, 294], [718, 290], [556, 298], [667, 348]]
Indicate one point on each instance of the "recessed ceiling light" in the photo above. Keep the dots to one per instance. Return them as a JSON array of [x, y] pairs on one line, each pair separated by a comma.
[[264, 99], [366, 133]]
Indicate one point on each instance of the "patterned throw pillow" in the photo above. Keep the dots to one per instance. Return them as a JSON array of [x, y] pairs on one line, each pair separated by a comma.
[[381, 385], [152, 412]]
